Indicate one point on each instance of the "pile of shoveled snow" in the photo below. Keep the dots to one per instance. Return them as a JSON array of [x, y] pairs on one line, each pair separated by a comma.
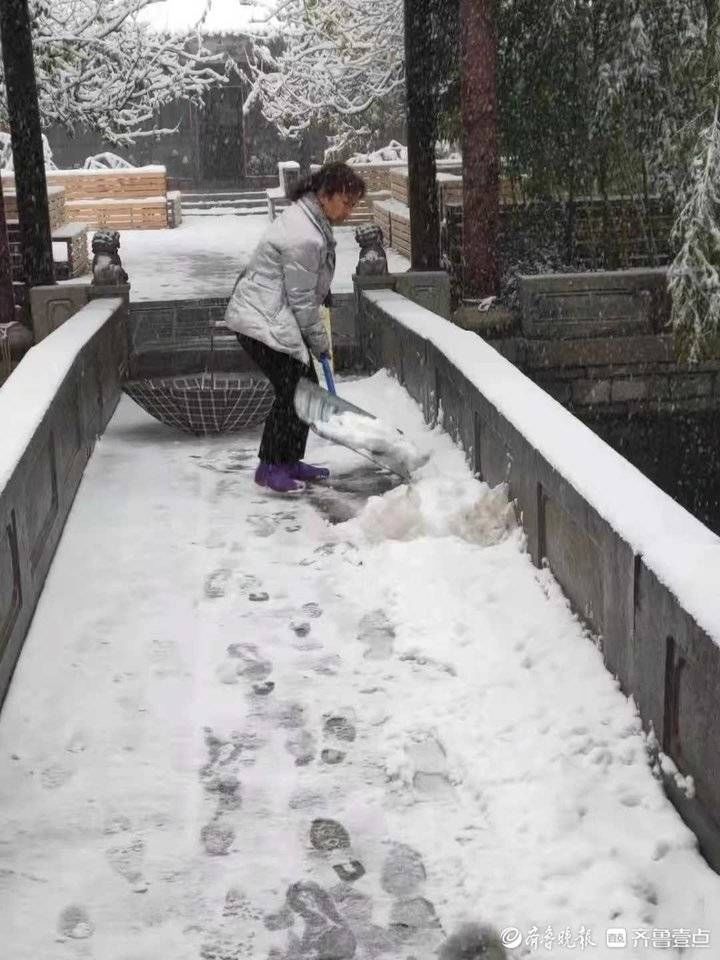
[[437, 506], [440, 499]]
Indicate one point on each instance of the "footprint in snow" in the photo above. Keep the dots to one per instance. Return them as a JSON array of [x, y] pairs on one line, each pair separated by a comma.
[[325, 933], [330, 837], [127, 861], [216, 583], [75, 923], [222, 784], [339, 730], [431, 776], [377, 633], [403, 871], [301, 745], [217, 837], [249, 661]]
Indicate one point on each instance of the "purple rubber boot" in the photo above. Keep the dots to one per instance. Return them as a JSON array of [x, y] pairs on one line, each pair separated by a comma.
[[307, 472], [276, 477]]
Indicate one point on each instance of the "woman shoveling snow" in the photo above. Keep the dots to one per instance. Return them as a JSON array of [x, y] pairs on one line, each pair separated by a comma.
[[275, 311]]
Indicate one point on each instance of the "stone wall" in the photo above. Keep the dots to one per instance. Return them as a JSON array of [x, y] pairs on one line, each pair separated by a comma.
[[601, 340], [59, 399], [658, 637], [599, 344]]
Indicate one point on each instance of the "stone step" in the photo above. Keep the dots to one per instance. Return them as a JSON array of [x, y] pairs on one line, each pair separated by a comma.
[[212, 202], [225, 212], [225, 195]]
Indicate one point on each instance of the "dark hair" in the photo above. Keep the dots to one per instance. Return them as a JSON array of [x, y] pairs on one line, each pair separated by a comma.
[[330, 179]]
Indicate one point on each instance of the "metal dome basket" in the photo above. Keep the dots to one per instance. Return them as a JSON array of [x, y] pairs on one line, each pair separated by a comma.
[[206, 402]]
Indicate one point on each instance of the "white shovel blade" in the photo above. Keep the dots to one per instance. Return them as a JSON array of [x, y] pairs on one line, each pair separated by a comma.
[[318, 407]]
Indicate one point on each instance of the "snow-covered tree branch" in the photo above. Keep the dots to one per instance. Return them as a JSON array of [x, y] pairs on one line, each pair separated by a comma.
[[337, 59], [99, 65], [695, 273]]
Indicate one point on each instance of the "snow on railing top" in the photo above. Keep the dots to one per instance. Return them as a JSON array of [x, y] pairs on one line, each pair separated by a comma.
[[682, 552], [28, 393]]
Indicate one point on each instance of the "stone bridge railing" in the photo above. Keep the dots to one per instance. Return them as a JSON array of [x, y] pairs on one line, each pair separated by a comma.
[[639, 569], [52, 409]]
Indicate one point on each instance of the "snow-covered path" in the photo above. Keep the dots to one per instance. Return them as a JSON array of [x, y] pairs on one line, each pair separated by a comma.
[[203, 256], [243, 728]]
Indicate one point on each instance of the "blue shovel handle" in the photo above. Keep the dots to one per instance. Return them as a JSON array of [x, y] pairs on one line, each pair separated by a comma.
[[329, 379]]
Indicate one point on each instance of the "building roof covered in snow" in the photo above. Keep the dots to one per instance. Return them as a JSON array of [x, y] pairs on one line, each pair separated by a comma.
[[224, 16]]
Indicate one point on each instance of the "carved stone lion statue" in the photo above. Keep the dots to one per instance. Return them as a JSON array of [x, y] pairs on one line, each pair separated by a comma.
[[107, 267], [373, 261]]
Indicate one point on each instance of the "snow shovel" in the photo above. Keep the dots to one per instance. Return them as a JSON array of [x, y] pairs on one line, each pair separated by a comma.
[[318, 407]]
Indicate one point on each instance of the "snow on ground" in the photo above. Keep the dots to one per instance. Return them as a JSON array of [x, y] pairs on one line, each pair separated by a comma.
[[203, 256], [330, 725]]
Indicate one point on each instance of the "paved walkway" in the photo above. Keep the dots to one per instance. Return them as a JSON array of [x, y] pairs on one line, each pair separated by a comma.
[[242, 728]]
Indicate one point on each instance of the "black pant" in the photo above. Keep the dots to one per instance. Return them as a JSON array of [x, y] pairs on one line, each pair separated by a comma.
[[285, 435]]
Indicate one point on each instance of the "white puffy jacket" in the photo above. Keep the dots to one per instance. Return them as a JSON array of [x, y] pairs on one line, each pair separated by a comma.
[[278, 297]]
